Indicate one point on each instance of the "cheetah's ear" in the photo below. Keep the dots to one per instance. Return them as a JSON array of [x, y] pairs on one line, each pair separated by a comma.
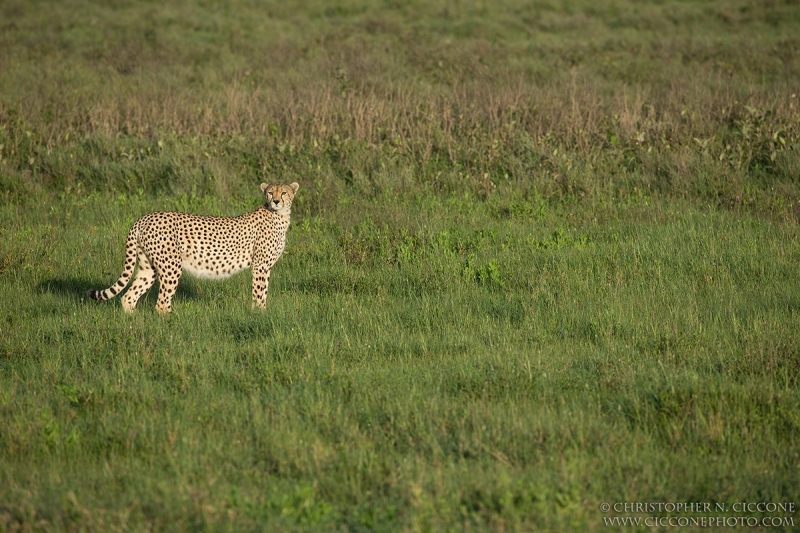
[[264, 187], [294, 186]]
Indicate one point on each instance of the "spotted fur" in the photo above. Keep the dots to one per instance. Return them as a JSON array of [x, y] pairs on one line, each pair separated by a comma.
[[166, 244]]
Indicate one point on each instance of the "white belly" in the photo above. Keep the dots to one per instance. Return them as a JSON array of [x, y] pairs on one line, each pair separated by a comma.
[[205, 272]]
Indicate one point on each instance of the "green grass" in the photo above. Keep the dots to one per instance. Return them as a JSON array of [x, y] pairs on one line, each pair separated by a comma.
[[543, 256], [458, 369]]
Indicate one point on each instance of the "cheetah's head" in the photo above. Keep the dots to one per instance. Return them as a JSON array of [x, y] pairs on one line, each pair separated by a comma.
[[279, 197]]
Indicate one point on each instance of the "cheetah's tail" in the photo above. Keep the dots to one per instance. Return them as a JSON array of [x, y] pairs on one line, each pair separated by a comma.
[[131, 247]]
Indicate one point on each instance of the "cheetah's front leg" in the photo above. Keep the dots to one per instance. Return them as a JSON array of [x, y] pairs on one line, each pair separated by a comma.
[[260, 285]]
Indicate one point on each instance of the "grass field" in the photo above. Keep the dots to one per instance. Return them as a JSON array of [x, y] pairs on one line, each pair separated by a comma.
[[544, 256]]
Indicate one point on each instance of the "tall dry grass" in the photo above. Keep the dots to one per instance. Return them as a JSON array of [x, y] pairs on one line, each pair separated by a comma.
[[561, 112]]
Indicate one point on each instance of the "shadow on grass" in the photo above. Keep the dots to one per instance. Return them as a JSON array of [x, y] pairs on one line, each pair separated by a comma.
[[251, 329], [67, 287], [78, 287]]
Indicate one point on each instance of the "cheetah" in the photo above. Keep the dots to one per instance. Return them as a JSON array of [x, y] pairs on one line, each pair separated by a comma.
[[208, 247]]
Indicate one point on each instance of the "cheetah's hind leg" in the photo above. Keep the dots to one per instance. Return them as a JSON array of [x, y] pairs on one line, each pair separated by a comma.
[[169, 273], [145, 277]]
